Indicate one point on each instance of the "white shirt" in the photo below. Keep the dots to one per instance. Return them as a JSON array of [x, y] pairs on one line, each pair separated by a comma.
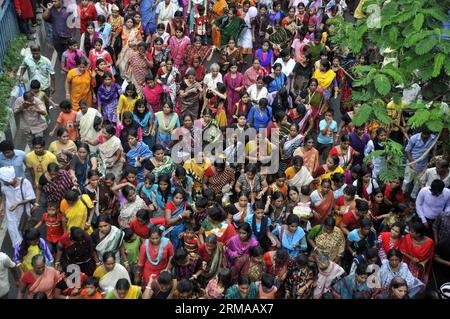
[[212, 83], [255, 95], [13, 196], [5, 264], [286, 68], [430, 175], [101, 11]]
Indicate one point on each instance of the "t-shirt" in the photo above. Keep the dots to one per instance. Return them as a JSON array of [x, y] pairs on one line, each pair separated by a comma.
[[5, 264], [332, 129], [68, 122], [53, 226], [132, 250], [39, 163]]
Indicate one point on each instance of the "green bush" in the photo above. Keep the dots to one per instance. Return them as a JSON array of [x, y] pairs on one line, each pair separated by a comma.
[[11, 64]]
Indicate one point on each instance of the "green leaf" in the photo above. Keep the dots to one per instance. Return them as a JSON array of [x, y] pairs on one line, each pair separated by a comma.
[[447, 66], [393, 34], [382, 84], [435, 125], [403, 17], [438, 63], [420, 117], [425, 45], [382, 116], [362, 115], [363, 96], [394, 74], [418, 21], [415, 38], [362, 69], [435, 13]]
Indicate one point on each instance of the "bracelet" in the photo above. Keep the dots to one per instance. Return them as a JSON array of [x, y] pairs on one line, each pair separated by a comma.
[[148, 287]]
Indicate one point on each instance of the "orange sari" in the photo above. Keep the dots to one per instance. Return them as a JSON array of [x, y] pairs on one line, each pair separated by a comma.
[[323, 209], [217, 11]]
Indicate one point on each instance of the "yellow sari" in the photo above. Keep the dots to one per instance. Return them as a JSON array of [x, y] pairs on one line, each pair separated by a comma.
[[33, 250], [325, 79], [217, 11], [134, 292], [197, 171], [328, 175]]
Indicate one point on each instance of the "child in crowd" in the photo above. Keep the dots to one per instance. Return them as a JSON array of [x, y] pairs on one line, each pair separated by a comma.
[[53, 225], [190, 239], [266, 287], [90, 289], [68, 119]]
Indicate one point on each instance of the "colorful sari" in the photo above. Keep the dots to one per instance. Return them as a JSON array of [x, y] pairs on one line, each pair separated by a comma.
[[138, 69], [326, 277], [229, 29], [108, 150], [235, 249], [177, 48], [214, 263], [81, 87], [159, 201], [217, 12], [222, 231], [129, 39], [107, 101], [166, 167], [45, 283], [301, 178], [57, 188], [197, 171], [153, 96], [265, 59], [424, 253], [293, 243], [165, 128], [251, 75], [310, 158], [190, 104], [323, 208], [128, 211], [325, 80], [174, 232], [387, 274], [277, 83], [170, 79], [331, 244], [111, 242], [140, 150], [232, 95], [86, 127]]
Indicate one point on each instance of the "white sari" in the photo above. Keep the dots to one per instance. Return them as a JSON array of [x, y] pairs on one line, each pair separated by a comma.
[[111, 242], [128, 211], [108, 282], [302, 178], [87, 130]]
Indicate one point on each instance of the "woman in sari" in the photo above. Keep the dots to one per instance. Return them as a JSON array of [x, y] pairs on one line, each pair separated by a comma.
[[329, 272], [301, 278], [315, 99], [190, 92], [108, 238], [129, 209], [108, 95], [278, 79], [160, 164], [204, 52], [298, 175], [161, 195], [326, 79], [345, 153], [175, 213], [355, 286], [63, 148], [109, 273], [244, 289], [130, 37], [196, 167], [330, 168], [230, 26], [75, 247], [110, 151], [157, 54], [97, 53], [390, 240], [208, 128], [138, 153], [216, 224], [230, 54], [41, 279], [81, 164], [169, 76], [165, 122], [211, 252], [392, 266], [87, 120], [252, 183], [123, 290], [322, 202], [238, 247], [265, 55], [178, 45], [327, 239], [239, 210], [154, 256], [143, 117], [138, 67], [234, 81], [418, 251], [219, 176], [252, 74], [217, 13], [309, 154], [88, 38], [79, 84], [152, 93], [291, 236]]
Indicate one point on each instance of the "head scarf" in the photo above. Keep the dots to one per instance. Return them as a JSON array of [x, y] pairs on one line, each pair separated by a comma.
[[7, 173], [252, 13]]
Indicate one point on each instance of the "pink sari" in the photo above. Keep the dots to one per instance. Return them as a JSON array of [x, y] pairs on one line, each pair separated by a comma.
[[177, 51], [232, 95], [45, 283]]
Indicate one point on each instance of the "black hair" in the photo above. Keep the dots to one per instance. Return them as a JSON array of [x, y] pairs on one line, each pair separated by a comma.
[[365, 223], [247, 228], [419, 228], [6, 146], [104, 218], [29, 235], [143, 214], [107, 255], [350, 190], [256, 251], [189, 227], [361, 269], [437, 186], [40, 295], [155, 230], [90, 281], [110, 129], [362, 205], [267, 280], [165, 278], [259, 205], [128, 234], [292, 219], [201, 202], [224, 277], [401, 226], [216, 214], [65, 105], [329, 221], [35, 84], [282, 255], [165, 178], [60, 131], [179, 256], [157, 147], [185, 286], [122, 284], [395, 252], [243, 280], [77, 234], [71, 196]]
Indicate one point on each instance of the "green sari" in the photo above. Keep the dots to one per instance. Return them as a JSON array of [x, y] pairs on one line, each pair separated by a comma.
[[229, 30]]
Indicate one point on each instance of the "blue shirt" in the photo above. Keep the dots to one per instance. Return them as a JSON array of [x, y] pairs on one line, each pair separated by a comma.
[[257, 120], [333, 128], [17, 161], [249, 219], [417, 147], [105, 32]]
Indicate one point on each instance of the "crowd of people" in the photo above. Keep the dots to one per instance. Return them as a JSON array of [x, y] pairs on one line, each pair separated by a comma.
[[116, 201]]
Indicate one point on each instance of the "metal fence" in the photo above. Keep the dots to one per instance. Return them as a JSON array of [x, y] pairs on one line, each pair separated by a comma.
[[9, 27]]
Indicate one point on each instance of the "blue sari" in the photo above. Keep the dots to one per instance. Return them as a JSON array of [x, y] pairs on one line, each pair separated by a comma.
[[349, 288], [277, 84], [289, 242], [143, 123], [158, 201], [148, 16], [141, 150], [174, 231]]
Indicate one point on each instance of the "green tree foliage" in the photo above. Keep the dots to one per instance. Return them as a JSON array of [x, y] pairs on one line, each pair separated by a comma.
[[411, 30]]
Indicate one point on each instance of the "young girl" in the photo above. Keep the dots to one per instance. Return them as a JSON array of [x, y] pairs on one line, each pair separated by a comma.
[[142, 223], [345, 203], [127, 101], [71, 57], [217, 286], [68, 119], [266, 287], [82, 162], [131, 243], [125, 127], [53, 225], [260, 225], [144, 189], [190, 239], [144, 118], [107, 98]]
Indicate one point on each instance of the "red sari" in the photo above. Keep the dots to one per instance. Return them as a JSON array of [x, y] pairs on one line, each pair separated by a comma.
[[424, 253], [386, 245], [148, 268]]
